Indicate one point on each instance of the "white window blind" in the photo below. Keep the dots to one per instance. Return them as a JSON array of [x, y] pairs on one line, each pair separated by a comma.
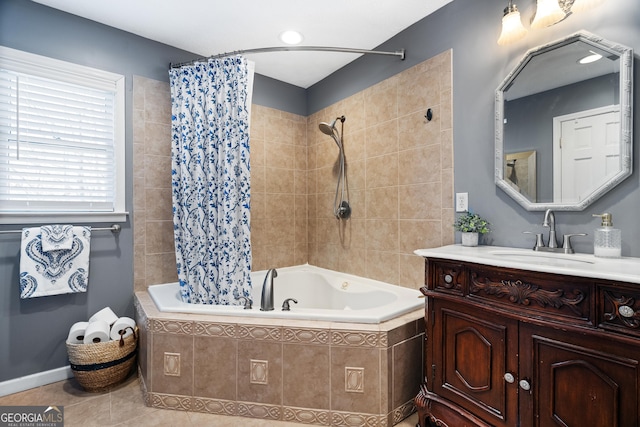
[[61, 144]]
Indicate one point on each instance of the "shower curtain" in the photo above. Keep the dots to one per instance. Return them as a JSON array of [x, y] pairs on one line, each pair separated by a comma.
[[210, 179]]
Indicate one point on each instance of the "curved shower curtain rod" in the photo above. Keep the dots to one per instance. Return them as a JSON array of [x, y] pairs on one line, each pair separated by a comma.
[[400, 53]]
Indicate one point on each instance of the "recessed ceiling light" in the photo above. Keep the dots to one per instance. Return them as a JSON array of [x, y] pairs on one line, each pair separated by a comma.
[[593, 57], [291, 37]]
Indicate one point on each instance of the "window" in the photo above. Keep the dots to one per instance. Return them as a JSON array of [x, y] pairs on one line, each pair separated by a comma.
[[62, 147]]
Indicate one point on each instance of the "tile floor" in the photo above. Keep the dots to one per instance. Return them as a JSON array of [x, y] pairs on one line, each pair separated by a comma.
[[123, 406]]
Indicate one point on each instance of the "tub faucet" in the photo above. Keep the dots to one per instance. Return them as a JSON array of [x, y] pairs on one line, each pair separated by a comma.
[[266, 302]]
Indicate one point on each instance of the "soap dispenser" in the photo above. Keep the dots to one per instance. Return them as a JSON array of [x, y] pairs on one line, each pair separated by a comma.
[[607, 241]]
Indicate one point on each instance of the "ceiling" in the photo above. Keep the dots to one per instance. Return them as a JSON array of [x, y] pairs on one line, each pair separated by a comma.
[[209, 27]]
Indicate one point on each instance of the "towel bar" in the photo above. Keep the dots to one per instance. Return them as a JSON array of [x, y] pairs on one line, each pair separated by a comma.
[[115, 229]]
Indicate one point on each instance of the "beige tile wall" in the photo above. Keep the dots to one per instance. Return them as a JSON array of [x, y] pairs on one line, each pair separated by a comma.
[[154, 257], [304, 373], [399, 171], [278, 188], [400, 175]]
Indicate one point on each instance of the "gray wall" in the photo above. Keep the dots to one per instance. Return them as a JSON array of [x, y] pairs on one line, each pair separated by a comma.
[[32, 332], [471, 28]]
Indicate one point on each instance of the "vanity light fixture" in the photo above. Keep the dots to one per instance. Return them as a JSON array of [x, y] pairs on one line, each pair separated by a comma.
[[291, 37], [548, 12], [578, 6], [512, 29]]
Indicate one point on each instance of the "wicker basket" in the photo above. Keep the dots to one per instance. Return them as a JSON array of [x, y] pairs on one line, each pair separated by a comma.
[[102, 365]]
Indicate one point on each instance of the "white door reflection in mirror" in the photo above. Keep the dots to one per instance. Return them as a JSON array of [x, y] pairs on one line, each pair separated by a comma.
[[586, 152]]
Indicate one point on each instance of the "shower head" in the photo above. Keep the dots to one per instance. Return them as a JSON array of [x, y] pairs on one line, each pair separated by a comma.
[[327, 128]]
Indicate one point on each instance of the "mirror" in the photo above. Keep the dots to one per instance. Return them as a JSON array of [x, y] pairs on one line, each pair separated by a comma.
[[564, 125]]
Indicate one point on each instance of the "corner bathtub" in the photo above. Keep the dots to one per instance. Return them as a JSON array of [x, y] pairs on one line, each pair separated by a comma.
[[321, 294]]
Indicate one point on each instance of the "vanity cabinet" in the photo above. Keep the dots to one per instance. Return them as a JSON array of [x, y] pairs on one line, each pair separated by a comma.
[[508, 347]]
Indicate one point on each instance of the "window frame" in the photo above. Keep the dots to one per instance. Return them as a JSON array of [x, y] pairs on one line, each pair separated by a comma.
[[37, 65]]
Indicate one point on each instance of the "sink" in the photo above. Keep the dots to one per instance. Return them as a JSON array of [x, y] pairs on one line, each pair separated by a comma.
[[544, 258], [625, 269]]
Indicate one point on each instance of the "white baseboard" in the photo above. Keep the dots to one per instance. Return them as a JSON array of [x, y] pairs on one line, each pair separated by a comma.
[[35, 380]]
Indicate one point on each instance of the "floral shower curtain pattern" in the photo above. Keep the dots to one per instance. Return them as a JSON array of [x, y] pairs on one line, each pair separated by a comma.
[[211, 180]]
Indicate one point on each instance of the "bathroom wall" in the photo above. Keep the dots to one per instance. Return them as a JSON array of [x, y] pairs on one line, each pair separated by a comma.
[[153, 249], [278, 188], [399, 168], [471, 28], [32, 332], [400, 176]]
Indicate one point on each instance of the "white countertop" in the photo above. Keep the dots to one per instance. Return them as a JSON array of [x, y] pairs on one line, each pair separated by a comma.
[[583, 265]]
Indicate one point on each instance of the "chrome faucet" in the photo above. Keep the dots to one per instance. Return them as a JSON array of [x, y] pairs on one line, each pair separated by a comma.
[[550, 221], [266, 302]]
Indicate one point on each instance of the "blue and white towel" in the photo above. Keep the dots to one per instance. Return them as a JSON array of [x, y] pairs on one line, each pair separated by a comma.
[[56, 237], [54, 272]]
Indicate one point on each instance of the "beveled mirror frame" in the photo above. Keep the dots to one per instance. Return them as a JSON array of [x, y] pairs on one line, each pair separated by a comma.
[[626, 121]]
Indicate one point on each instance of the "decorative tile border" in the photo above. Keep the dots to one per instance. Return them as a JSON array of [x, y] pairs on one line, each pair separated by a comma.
[[305, 336], [223, 330], [306, 416], [143, 388], [357, 339], [170, 401], [214, 406], [403, 411], [167, 326], [262, 333], [347, 419], [255, 410]]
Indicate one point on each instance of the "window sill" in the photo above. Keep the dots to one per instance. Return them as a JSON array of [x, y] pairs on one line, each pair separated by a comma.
[[61, 217]]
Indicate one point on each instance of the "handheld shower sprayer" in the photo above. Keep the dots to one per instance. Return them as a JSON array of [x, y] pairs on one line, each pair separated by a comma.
[[341, 208]]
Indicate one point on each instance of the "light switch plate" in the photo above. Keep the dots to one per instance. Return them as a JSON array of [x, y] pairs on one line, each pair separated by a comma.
[[462, 202]]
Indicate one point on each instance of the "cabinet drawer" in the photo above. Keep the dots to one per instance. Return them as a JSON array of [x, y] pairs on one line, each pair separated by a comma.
[[619, 309], [446, 277], [560, 298]]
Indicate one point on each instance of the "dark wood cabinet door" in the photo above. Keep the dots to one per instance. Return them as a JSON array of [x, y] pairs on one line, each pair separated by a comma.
[[472, 352], [578, 380]]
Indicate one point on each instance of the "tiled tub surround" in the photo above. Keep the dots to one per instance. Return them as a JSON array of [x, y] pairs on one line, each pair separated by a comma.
[[313, 372], [399, 168]]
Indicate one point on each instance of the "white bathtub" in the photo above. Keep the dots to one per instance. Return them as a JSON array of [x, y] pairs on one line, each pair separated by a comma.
[[321, 294]]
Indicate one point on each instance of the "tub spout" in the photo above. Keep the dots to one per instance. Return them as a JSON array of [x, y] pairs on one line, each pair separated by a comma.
[[266, 302]]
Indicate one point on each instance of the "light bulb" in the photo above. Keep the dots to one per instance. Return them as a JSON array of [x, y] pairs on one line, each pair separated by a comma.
[[291, 37], [548, 12], [512, 29]]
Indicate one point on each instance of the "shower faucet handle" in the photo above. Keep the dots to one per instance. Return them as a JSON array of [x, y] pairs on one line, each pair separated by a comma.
[[248, 304], [285, 304]]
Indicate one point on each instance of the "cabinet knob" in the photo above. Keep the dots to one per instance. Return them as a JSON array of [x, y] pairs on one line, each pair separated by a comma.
[[508, 377], [524, 384], [448, 278], [626, 311]]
